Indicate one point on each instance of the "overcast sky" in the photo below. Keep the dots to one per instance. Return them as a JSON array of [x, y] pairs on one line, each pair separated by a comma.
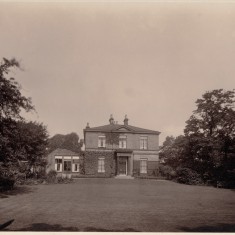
[[151, 61]]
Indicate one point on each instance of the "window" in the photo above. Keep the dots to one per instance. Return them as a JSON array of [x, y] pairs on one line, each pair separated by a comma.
[[101, 165], [143, 166], [58, 164], [101, 141], [143, 142], [122, 142], [75, 167], [67, 164]]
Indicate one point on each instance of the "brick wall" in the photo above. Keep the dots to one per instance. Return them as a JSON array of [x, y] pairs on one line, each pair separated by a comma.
[[133, 141], [91, 163]]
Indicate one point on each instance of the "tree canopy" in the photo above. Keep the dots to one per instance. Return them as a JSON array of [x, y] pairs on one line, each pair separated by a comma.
[[208, 144], [69, 141], [11, 99], [19, 140]]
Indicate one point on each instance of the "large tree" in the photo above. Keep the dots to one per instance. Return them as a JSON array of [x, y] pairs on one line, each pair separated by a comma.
[[208, 144], [211, 132], [11, 99], [174, 152], [19, 140], [69, 141]]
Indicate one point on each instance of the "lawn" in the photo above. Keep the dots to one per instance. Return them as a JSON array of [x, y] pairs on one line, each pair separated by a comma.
[[119, 205]]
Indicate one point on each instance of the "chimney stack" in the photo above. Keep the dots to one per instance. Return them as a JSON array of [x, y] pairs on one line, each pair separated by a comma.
[[126, 121], [111, 120], [87, 125]]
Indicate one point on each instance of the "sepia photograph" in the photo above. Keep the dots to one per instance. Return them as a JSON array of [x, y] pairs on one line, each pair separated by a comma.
[[117, 116]]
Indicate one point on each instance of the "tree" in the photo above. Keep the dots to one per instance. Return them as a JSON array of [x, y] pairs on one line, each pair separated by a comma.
[[174, 150], [69, 141], [211, 132], [11, 99], [19, 140], [32, 142]]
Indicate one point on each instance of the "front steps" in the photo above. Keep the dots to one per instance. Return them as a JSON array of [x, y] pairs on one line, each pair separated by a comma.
[[123, 177]]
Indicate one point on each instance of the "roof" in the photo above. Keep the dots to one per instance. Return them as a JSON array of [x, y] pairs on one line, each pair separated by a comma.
[[63, 152], [121, 129]]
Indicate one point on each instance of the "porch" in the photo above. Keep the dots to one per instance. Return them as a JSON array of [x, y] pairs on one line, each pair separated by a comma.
[[124, 163]]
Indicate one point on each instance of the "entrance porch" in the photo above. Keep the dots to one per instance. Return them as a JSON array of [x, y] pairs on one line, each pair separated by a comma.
[[124, 163]]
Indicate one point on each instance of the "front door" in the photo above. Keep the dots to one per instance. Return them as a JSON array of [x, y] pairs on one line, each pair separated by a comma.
[[122, 166]]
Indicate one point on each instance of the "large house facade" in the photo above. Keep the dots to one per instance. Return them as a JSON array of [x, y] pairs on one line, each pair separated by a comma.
[[120, 150]]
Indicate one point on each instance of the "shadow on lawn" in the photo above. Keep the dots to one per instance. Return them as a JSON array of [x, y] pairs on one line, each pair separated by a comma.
[[16, 191], [58, 227], [221, 227]]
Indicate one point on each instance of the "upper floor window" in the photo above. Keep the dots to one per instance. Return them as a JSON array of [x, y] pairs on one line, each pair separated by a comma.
[[143, 142], [101, 141], [122, 142]]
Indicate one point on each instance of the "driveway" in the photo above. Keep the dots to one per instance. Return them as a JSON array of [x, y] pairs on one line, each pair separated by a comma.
[[119, 205]]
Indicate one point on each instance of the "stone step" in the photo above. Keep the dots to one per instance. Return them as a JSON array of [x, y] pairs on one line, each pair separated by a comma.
[[123, 177]]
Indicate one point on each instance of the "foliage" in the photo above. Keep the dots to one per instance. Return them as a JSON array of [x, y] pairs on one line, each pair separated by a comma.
[[7, 179], [51, 176], [208, 144], [172, 151], [188, 176], [211, 131], [69, 141], [112, 138], [23, 142], [11, 99], [6, 183], [19, 140], [61, 180], [167, 171], [32, 141]]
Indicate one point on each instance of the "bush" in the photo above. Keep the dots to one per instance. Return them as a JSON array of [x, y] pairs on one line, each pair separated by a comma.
[[6, 183], [51, 176], [167, 171], [65, 180], [188, 176], [228, 181]]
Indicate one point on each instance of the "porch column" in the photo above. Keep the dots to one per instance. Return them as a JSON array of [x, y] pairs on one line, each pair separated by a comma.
[[117, 167], [131, 164]]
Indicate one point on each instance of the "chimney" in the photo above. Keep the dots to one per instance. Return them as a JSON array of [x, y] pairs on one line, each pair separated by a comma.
[[87, 125], [111, 120], [126, 121]]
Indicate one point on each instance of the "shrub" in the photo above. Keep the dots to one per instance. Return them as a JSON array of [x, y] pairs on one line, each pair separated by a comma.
[[228, 181], [64, 180], [6, 183], [188, 176], [7, 179], [51, 176], [167, 171]]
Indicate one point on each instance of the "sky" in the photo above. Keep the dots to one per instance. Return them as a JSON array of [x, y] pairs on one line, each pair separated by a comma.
[[82, 61]]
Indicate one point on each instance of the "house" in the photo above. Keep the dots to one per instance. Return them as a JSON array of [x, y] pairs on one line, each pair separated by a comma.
[[120, 150], [65, 162]]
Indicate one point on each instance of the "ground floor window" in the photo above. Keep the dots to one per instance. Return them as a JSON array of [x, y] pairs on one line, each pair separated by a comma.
[[101, 165], [58, 164], [143, 166], [75, 164], [67, 165]]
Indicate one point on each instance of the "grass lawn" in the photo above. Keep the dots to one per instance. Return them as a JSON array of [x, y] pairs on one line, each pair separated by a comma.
[[119, 205]]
